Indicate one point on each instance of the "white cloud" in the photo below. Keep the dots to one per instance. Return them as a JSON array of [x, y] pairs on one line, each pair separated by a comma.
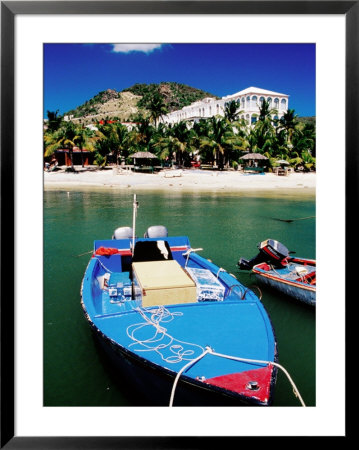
[[127, 48]]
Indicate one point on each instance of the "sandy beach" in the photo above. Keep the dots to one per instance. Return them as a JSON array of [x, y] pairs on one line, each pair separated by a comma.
[[187, 179]]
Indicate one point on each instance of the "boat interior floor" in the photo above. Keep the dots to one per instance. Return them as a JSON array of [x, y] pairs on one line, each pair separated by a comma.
[[292, 271]]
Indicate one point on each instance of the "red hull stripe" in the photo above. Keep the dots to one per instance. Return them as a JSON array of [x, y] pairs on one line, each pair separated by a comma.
[[178, 249], [125, 252], [312, 262], [239, 382]]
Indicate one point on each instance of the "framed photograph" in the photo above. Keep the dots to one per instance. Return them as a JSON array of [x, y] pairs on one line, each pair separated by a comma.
[[46, 46]]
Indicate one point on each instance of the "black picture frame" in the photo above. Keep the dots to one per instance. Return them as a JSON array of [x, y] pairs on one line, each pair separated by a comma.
[[9, 9]]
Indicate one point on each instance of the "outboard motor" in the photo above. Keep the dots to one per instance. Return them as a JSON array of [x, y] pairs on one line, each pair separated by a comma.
[[156, 231], [123, 233], [271, 252]]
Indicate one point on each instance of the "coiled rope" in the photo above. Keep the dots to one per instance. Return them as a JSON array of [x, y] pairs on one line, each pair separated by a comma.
[[209, 350], [170, 350]]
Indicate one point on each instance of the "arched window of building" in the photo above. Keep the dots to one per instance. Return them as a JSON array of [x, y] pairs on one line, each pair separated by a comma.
[[276, 103], [261, 100], [269, 100], [283, 104], [243, 101], [254, 101], [248, 100], [217, 109], [275, 118], [254, 119]]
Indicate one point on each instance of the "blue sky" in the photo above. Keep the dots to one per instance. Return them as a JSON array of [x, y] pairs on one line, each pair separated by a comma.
[[74, 73]]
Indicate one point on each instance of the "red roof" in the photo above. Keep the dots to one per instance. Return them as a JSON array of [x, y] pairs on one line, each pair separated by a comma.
[[102, 122]]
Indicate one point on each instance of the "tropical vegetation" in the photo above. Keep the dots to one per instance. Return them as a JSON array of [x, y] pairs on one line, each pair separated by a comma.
[[219, 141]]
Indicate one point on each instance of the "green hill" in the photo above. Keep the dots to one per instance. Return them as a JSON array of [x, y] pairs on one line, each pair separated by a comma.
[[131, 102], [307, 120], [175, 95]]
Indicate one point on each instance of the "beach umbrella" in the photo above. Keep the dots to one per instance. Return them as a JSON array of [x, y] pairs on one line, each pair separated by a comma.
[[254, 156], [142, 155]]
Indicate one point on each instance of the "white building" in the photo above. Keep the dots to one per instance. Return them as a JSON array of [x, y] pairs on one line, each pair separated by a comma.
[[250, 100]]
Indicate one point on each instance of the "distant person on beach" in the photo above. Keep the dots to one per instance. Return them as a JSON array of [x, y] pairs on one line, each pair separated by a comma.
[[52, 165]]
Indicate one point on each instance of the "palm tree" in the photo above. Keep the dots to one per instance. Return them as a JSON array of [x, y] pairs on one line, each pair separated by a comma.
[[266, 112], [231, 110], [289, 122], [156, 106], [304, 138], [122, 139], [308, 160], [220, 141], [164, 147], [117, 139], [64, 137], [183, 141], [145, 134], [263, 134], [86, 138], [161, 142], [304, 159], [53, 121]]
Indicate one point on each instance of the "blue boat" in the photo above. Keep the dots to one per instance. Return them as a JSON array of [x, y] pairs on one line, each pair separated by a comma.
[[275, 268], [178, 329]]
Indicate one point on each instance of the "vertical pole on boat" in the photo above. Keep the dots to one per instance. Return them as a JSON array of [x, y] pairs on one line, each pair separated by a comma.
[[135, 206]]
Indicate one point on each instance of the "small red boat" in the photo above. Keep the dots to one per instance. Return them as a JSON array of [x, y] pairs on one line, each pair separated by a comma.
[[273, 267]]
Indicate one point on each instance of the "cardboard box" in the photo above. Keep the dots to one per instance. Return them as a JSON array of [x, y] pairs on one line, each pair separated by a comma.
[[164, 283]]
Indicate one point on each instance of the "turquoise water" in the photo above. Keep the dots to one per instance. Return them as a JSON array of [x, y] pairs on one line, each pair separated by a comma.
[[226, 226]]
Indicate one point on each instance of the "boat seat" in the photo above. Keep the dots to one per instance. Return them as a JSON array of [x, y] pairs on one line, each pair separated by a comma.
[[158, 250]]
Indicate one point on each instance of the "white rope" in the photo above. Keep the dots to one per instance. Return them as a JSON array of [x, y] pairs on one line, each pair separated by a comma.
[[209, 350], [103, 265], [182, 370], [188, 252], [288, 275], [160, 341], [295, 390]]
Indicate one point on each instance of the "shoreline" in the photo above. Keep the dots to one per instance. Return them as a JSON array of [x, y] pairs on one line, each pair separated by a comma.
[[181, 180]]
